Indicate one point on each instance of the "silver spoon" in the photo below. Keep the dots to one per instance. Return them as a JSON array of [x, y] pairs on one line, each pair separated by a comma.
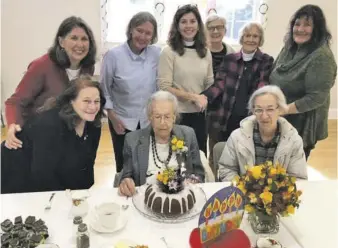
[[165, 242], [125, 206]]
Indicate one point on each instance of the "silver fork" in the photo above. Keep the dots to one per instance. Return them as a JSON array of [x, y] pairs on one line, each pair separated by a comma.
[[49, 204]]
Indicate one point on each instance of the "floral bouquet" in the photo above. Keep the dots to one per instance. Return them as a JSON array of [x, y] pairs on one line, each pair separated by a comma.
[[269, 191], [170, 180]]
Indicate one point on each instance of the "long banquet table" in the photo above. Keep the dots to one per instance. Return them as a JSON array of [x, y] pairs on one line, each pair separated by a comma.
[[313, 225]]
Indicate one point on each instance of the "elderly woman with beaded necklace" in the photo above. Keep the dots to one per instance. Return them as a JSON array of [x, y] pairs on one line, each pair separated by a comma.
[[149, 150]]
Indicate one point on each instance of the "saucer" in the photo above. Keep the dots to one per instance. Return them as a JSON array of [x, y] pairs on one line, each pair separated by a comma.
[[96, 225]]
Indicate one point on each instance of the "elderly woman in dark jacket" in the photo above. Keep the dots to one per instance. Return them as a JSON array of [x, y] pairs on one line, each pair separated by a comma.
[[305, 70], [148, 151], [239, 75]]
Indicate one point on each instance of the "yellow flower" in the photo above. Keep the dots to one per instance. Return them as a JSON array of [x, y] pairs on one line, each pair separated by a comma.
[[174, 148], [253, 198], [160, 177], [281, 170], [291, 189], [266, 197], [293, 180], [174, 141], [256, 171], [235, 180], [269, 181], [241, 186], [165, 179], [249, 208], [273, 171], [290, 209], [180, 144]]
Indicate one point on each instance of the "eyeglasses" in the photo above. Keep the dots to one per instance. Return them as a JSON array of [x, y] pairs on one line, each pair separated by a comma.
[[269, 111], [165, 118], [218, 28]]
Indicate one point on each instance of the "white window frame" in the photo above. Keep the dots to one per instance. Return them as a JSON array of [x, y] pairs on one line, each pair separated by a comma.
[[208, 5]]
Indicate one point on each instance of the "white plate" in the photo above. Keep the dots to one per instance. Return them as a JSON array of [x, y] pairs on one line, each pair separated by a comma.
[[96, 225]]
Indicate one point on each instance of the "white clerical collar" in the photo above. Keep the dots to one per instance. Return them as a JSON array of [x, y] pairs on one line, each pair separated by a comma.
[[248, 56], [189, 43]]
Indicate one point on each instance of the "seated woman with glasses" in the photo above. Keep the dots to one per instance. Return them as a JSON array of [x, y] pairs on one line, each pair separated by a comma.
[[265, 136], [146, 151]]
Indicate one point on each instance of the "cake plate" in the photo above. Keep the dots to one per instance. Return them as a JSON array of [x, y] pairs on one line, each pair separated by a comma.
[[138, 201]]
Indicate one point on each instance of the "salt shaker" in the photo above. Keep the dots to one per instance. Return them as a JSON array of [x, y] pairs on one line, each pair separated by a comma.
[[82, 238], [76, 222]]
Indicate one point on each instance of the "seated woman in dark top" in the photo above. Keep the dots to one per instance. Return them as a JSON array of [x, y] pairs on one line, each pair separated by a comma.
[[60, 143]]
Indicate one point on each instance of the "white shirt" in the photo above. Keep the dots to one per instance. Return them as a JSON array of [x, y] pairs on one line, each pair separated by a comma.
[[72, 74], [163, 152]]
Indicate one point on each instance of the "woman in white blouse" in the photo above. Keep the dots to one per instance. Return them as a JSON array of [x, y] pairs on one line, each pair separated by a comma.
[[146, 151]]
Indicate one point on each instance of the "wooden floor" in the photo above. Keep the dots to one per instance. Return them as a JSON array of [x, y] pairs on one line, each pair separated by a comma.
[[323, 159]]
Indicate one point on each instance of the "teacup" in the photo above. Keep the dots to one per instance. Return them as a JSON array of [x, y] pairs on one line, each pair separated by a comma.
[[108, 214]]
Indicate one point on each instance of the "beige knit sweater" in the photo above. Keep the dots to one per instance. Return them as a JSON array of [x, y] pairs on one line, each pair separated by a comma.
[[188, 72]]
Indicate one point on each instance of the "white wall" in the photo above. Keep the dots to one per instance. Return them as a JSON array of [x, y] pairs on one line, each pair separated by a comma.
[[28, 31]]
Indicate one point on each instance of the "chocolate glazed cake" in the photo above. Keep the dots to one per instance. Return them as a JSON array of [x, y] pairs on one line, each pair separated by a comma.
[[169, 204]]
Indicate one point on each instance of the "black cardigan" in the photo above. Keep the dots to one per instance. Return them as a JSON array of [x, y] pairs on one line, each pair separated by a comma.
[[53, 157]]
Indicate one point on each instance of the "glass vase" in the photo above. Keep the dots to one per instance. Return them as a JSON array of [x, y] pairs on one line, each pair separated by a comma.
[[262, 223]]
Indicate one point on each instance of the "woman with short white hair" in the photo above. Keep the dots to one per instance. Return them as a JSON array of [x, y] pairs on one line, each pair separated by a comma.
[[149, 150], [215, 26], [265, 136], [239, 75]]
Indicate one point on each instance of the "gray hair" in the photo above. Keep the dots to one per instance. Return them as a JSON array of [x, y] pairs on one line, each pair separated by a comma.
[[140, 18], [162, 96], [246, 28], [272, 90], [215, 17]]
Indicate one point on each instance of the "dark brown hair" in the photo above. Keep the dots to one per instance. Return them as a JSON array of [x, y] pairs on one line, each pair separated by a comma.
[[63, 101], [175, 39], [320, 33], [59, 56]]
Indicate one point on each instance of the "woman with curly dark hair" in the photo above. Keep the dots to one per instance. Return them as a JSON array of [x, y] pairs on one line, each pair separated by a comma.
[[185, 69], [60, 143], [72, 54], [305, 70]]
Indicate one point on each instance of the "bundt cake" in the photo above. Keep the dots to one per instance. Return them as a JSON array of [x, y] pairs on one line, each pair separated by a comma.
[[169, 204]]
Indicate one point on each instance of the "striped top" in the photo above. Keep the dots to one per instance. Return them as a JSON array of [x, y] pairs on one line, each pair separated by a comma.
[[217, 58], [264, 152]]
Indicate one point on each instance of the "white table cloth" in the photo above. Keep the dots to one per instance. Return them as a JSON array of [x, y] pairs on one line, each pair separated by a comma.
[[313, 225]]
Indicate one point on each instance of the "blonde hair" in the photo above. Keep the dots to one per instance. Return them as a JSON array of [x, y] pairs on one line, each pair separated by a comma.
[[246, 28]]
